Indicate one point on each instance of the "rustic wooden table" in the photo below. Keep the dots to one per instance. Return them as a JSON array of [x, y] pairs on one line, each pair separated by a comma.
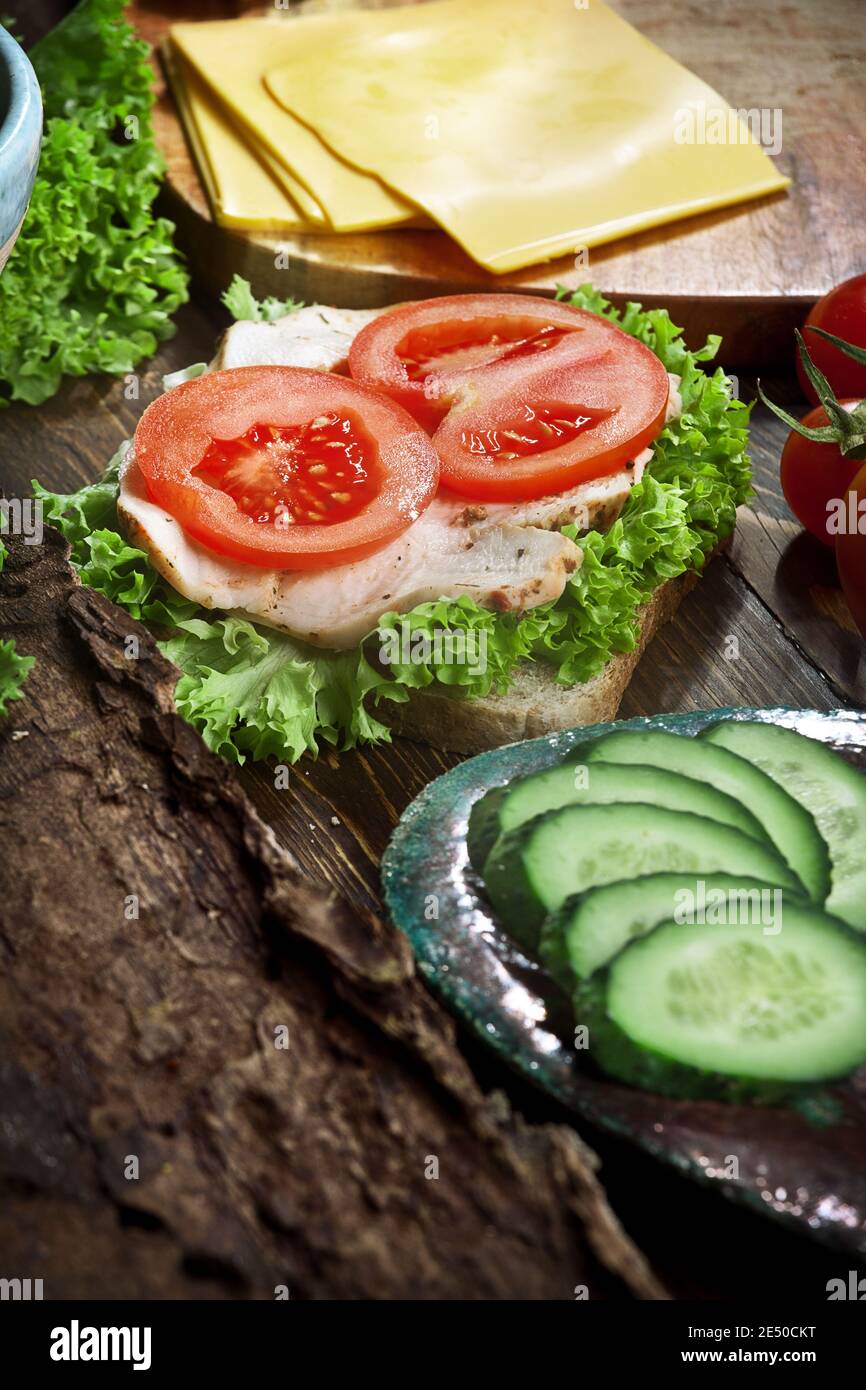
[[774, 591]]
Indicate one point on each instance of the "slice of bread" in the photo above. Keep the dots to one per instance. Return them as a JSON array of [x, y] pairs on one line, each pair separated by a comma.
[[534, 704]]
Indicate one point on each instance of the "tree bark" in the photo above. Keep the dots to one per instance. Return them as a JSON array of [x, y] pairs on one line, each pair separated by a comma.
[[158, 946]]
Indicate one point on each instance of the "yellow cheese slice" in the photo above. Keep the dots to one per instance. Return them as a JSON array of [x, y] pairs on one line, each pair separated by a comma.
[[231, 56], [525, 128], [241, 190]]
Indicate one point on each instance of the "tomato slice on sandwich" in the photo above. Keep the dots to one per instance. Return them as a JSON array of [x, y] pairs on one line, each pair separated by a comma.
[[283, 467], [523, 397]]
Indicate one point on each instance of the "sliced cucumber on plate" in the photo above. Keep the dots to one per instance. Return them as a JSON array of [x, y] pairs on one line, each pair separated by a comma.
[[590, 928], [606, 864], [579, 783], [724, 1012], [785, 820], [831, 791], [533, 869]]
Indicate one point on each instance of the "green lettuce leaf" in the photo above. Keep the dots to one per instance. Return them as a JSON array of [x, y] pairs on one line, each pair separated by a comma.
[[249, 691], [13, 673], [13, 666], [78, 514], [454, 642], [253, 692], [93, 280], [242, 303], [172, 379], [597, 614]]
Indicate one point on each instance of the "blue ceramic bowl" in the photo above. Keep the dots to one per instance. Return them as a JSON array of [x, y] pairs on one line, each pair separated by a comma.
[[20, 134]]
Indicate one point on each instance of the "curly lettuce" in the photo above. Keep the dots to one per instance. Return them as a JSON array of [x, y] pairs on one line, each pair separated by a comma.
[[13, 666], [94, 279], [253, 692], [13, 673], [242, 303]]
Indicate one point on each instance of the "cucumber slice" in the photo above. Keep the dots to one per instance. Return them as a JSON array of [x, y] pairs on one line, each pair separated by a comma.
[[591, 928], [725, 1012], [533, 869], [828, 787], [789, 826], [577, 783]]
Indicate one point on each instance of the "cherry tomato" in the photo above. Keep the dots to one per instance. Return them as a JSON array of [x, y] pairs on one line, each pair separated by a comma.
[[851, 550], [523, 396], [843, 313], [813, 474], [283, 467]]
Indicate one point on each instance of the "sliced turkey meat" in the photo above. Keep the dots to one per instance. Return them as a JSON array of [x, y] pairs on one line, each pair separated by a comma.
[[316, 336], [590, 506], [506, 567]]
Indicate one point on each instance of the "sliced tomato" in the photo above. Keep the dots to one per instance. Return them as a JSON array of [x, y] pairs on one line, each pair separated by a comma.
[[283, 467], [423, 354], [523, 397]]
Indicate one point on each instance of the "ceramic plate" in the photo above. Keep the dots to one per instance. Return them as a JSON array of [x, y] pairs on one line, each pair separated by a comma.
[[805, 1166]]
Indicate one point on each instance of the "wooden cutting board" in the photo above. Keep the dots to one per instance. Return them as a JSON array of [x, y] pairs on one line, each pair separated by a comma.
[[748, 272]]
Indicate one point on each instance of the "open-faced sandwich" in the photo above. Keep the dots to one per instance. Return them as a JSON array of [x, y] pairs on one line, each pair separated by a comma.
[[463, 517]]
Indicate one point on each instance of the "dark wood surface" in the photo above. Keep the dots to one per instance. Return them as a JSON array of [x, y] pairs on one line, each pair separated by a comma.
[[795, 648]]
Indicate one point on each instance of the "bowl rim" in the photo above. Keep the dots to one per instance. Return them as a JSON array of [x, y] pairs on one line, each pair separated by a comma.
[[24, 99]]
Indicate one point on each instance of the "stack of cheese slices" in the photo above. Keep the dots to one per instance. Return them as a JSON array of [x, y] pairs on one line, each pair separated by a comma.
[[525, 132]]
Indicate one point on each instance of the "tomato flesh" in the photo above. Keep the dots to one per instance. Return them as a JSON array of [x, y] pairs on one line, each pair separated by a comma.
[[523, 397], [322, 472], [283, 467], [534, 429], [449, 348]]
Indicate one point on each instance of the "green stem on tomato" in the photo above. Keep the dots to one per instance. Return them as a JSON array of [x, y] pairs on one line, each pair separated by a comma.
[[845, 428]]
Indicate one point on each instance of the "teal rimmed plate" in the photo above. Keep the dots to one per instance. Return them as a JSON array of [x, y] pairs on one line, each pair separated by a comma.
[[805, 1166]]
